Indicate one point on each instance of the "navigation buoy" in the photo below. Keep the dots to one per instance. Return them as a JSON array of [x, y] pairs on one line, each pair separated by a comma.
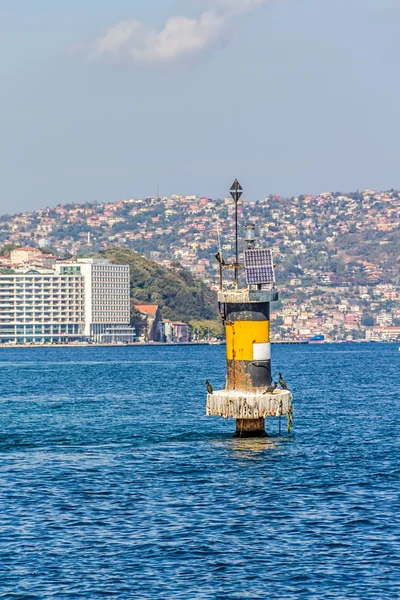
[[246, 317]]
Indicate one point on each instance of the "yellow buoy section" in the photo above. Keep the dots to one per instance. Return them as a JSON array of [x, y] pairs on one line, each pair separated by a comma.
[[242, 335]]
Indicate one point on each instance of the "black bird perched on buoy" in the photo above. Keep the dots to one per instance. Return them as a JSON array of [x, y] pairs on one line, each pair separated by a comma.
[[271, 388], [282, 382], [209, 387]]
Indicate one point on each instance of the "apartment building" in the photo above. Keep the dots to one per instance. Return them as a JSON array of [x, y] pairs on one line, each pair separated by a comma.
[[107, 299], [21, 256], [41, 306], [86, 299]]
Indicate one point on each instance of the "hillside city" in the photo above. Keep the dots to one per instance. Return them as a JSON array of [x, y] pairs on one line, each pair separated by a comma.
[[337, 255]]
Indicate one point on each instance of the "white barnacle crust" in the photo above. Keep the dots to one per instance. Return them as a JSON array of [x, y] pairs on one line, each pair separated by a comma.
[[242, 404]]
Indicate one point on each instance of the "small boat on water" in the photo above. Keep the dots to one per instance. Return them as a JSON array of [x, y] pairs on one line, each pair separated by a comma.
[[317, 339]]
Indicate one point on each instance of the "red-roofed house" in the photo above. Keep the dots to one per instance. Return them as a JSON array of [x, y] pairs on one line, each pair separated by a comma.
[[152, 315], [21, 256]]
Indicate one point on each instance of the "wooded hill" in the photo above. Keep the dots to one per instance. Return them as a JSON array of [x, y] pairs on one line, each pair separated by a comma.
[[179, 296]]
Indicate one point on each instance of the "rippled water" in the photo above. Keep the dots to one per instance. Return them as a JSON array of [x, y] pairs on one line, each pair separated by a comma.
[[114, 484]]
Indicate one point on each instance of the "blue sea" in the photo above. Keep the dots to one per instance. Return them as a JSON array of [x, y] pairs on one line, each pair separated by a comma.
[[114, 483]]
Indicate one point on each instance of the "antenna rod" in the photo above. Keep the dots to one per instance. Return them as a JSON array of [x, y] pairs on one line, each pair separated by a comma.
[[236, 193], [221, 261], [237, 247]]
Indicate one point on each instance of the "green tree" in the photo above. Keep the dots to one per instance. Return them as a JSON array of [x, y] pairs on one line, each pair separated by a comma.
[[206, 329], [367, 320], [7, 249], [138, 321]]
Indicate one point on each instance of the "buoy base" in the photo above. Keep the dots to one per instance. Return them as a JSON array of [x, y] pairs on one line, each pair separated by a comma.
[[248, 405], [250, 428]]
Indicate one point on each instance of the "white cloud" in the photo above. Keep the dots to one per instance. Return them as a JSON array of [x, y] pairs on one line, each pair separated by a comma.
[[182, 37]]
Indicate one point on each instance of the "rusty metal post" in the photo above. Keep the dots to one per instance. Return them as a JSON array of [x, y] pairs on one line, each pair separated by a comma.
[[248, 347], [250, 428]]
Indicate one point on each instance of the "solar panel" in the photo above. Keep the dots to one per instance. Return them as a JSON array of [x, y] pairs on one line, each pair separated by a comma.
[[259, 266]]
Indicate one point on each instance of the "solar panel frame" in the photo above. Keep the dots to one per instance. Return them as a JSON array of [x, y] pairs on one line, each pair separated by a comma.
[[259, 266]]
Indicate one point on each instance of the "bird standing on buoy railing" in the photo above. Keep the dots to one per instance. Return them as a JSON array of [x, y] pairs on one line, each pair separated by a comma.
[[271, 388], [282, 382], [209, 387]]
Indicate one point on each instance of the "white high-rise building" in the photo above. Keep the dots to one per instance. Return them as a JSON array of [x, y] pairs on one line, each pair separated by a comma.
[[86, 299], [107, 298], [41, 305]]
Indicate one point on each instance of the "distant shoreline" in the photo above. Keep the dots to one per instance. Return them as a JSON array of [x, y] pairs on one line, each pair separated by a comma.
[[172, 345], [133, 345]]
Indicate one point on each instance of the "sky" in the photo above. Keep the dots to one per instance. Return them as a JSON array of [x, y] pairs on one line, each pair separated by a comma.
[[102, 101]]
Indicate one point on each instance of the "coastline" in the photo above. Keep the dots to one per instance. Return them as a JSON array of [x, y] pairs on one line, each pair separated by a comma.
[[162, 344], [83, 345]]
